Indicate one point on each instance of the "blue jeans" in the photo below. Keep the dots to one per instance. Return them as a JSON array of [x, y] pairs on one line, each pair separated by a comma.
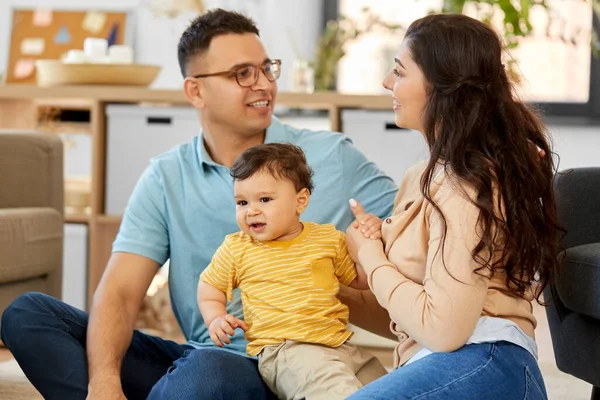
[[48, 337], [498, 370]]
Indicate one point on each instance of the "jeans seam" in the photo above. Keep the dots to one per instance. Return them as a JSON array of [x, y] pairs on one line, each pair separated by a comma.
[[491, 357], [527, 383], [530, 378], [58, 314], [147, 361]]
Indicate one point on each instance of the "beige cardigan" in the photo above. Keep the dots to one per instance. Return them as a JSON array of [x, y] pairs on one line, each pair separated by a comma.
[[427, 306]]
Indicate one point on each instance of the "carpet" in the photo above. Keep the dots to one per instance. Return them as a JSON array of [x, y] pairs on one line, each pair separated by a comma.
[[13, 383]]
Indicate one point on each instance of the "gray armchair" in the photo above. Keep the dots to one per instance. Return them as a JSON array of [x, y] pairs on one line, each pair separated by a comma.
[[31, 215], [574, 310]]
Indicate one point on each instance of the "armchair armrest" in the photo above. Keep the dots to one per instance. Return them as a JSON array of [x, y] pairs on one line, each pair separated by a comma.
[[578, 283], [578, 205], [32, 171]]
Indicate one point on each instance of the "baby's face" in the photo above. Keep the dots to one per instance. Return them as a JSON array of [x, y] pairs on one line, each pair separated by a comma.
[[268, 208]]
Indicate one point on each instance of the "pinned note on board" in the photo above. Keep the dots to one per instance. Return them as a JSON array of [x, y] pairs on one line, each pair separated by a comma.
[[61, 31], [24, 68], [32, 46], [63, 36], [42, 17], [112, 36], [94, 21]]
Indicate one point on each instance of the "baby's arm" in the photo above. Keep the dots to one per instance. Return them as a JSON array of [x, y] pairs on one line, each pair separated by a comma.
[[370, 226], [360, 282], [212, 307]]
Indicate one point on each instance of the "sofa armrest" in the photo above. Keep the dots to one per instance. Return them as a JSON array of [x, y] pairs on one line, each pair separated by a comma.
[[31, 171]]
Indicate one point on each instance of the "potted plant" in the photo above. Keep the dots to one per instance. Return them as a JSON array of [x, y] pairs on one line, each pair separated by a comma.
[[330, 47]]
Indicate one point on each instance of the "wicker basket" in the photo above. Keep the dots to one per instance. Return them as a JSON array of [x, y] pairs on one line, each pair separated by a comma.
[[55, 72]]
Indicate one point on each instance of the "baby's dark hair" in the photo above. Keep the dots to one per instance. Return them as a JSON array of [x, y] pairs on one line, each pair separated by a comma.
[[282, 160]]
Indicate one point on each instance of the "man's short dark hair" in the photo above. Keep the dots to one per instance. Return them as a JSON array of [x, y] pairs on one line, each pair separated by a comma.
[[282, 160], [199, 34]]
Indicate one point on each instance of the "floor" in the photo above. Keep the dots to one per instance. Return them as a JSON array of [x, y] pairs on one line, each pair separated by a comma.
[[560, 386]]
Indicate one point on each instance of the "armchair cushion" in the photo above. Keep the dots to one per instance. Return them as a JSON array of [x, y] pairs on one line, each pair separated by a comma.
[[580, 273], [30, 242]]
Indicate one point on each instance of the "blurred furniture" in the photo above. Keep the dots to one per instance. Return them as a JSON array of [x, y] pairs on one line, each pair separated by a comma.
[[574, 310], [31, 215]]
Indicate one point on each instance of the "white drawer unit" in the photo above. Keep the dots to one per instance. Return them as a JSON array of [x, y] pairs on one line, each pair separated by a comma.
[[75, 256], [393, 149], [136, 134]]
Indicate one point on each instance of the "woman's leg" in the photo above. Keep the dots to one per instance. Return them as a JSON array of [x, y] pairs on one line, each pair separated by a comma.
[[499, 370]]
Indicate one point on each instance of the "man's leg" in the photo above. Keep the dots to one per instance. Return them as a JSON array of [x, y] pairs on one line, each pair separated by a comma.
[[48, 337], [212, 374]]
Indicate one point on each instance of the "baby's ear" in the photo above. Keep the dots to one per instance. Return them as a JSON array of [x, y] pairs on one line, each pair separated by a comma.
[[302, 199]]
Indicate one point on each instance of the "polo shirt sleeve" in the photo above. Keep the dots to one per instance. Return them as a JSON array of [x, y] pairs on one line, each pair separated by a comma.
[[144, 230]]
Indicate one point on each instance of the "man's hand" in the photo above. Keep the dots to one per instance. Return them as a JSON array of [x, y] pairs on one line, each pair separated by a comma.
[[220, 327], [368, 224]]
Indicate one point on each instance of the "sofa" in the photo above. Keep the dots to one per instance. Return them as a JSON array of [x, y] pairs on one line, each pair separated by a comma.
[[574, 299], [31, 215]]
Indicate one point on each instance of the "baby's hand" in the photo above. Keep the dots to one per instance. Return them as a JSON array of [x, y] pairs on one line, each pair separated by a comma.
[[370, 226], [220, 327]]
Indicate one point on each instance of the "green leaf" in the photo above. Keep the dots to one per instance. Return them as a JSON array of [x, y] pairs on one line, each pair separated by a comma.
[[453, 6]]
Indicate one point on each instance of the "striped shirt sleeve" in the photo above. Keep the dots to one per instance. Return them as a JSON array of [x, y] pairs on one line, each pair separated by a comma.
[[345, 269], [221, 272]]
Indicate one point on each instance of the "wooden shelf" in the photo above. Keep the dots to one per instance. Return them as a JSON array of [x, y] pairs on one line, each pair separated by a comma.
[[108, 219], [63, 103], [134, 94], [77, 218], [66, 127]]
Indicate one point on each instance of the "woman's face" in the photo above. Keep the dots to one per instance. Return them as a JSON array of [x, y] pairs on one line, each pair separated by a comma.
[[408, 86]]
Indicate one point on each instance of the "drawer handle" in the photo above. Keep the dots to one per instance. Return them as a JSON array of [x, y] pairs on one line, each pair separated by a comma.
[[392, 126], [159, 120]]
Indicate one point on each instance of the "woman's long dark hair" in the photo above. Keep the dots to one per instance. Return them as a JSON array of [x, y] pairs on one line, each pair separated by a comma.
[[475, 124]]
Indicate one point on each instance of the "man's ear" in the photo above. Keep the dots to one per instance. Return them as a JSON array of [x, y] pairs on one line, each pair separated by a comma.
[[302, 199], [193, 91]]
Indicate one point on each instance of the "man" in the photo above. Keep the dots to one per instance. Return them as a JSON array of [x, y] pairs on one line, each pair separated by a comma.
[[181, 209]]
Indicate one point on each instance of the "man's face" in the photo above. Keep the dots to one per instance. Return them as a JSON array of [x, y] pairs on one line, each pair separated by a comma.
[[268, 208], [246, 110]]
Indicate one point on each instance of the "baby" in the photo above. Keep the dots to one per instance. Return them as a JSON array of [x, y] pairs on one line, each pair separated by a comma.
[[289, 274]]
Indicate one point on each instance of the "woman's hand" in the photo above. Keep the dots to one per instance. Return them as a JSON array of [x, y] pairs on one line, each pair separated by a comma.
[[355, 238]]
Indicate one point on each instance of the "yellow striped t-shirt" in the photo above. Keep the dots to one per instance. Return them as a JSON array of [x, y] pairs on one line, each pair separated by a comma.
[[288, 288]]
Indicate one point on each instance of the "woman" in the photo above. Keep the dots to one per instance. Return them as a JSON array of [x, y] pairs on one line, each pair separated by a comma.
[[473, 236]]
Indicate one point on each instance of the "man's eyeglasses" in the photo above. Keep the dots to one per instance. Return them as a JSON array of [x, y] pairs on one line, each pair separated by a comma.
[[247, 75]]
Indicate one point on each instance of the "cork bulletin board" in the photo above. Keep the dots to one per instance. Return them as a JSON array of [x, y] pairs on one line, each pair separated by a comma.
[[49, 34]]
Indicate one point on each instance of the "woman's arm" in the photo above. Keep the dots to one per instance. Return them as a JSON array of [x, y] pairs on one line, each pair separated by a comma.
[[440, 314]]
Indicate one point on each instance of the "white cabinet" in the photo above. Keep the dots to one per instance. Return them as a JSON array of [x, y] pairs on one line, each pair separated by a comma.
[[576, 145], [136, 134], [74, 278], [393, 149]]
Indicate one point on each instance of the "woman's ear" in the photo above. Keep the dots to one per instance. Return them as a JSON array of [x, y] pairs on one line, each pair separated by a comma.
[[193, 91], [302, 199]]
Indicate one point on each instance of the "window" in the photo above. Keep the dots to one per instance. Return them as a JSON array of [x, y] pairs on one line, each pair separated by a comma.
[[555, 72]]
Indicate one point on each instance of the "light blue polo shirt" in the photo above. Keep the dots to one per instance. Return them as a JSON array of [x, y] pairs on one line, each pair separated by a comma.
[[182, 208]]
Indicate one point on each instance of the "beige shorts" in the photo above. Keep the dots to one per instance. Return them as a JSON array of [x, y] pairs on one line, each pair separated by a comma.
[[295, 370]]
